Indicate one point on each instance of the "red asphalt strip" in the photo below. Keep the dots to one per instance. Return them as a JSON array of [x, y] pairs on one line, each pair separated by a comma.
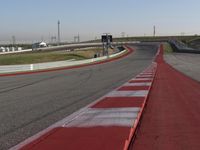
[[109, 138], [130, 50], [171, 120], [118, 102]]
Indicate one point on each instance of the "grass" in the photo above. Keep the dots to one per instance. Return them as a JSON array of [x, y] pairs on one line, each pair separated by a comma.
[[184, 39], [40, 57], [167, 48], [87, 53]]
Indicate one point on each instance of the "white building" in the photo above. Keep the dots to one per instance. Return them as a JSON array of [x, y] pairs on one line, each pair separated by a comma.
[[35, 46], [2, 49]]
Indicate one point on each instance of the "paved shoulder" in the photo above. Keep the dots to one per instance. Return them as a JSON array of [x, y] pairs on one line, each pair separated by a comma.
[[188, 64], [171, 120]]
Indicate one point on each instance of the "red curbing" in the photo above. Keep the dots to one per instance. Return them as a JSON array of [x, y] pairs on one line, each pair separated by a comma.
[[135, 88], [130, 50], [137, 121], [136, 124]]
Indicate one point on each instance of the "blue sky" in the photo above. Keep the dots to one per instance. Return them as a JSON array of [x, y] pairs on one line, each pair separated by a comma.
[[33, 20]]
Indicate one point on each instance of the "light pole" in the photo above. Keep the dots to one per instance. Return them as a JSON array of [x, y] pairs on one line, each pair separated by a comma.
[[154, 31], [58, 32]]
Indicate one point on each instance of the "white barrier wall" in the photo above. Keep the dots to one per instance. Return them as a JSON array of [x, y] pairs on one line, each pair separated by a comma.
[[40, 66]]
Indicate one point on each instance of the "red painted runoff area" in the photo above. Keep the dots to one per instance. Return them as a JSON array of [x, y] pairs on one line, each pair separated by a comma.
[[117, 102], [93, 138], [172, 117]]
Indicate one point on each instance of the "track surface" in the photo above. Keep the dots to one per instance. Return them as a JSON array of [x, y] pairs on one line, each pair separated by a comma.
[[31, 103], [171, 120], [189, 64]]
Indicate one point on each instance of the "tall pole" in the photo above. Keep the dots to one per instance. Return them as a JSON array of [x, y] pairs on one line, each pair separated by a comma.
[[78, 38], [13, 41], [58, 32], [154, 31]]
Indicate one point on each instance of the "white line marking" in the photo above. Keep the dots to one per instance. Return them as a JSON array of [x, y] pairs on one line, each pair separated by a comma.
[[31, 66], [138, 93], [138, 79], [106, 117], [138, 84], [146, 74]]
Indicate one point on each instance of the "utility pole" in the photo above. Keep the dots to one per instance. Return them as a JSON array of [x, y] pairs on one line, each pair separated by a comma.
[[154, 31], [123, 34], [58, 32], [77, 39]]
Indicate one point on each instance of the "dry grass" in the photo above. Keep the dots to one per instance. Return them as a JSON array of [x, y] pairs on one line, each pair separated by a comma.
[[39, 57]]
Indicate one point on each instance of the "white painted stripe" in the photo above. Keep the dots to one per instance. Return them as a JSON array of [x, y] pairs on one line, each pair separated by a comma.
[[106, 117], [121, 109], [149, 70], [147, 73], [139, 93], [138, 84], [31, 66], [144, 76], [138, 79], [126, 122]]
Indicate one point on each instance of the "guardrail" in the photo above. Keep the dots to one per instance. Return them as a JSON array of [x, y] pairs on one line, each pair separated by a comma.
[[181, 47], [58, 64]]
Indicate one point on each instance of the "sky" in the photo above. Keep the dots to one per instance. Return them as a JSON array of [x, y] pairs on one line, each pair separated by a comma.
[[36, 20]]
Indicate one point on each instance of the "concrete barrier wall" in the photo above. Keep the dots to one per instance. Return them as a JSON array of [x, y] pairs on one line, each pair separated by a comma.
[[58, 64], [181, 48]]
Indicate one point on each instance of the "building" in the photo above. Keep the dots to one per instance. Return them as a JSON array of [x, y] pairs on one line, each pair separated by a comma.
[[2, 49], [35, 46]]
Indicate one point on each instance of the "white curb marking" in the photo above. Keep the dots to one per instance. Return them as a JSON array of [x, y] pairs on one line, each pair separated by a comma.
[[138, 84], [138, 79], [106, 117], [138, 93]]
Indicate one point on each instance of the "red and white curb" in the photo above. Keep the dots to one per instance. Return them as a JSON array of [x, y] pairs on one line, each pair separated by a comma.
[[114, 117]]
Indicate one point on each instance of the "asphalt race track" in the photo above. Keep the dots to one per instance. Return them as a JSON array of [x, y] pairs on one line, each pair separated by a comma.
[[31, 103], [188, 64]]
